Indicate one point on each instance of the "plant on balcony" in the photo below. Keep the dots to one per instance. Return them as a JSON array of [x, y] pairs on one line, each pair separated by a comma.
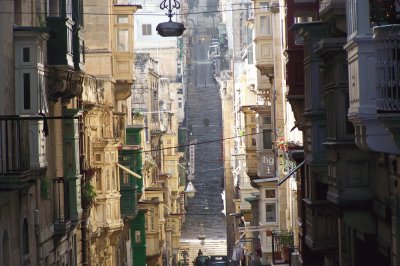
[[286, 241], [90, 172], [88, 194]]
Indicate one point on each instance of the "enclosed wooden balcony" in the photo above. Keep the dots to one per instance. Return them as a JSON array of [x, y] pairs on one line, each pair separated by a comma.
[[130, 157], [60, 45], [373, 91], [321, 226], [14, 154]]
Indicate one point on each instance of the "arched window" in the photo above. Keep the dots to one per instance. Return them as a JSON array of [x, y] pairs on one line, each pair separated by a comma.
[[25, 237], [6, 250]]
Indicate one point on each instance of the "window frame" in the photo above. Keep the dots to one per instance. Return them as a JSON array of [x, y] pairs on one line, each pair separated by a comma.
[[147, 29]]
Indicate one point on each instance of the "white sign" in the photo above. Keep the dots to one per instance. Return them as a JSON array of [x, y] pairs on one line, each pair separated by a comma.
[[269, 162]]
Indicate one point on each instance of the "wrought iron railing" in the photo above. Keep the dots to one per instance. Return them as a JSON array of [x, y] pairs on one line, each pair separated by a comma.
[[282, 246], [14, 146], [387, 44]]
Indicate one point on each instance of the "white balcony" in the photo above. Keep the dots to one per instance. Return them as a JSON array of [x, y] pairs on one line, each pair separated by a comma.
[[371, 84]]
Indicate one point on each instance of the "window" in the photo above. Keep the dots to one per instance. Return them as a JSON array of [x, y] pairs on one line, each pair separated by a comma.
[[267, 139], [27, 90], [265, 25], [180, 105], [98, 182], [114, 180], [122, 19], [152, 226], [266, 120], [133, 140], [270, 212], [270, 193], [146, 29], [69, 41], [25, 54], [264, 5], [138, 237], [107, 177], [122, 40], [253, 137]]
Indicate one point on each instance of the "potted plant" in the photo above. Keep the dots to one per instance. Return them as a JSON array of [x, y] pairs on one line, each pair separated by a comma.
[[286, 241], [88, 194], [90, 171]]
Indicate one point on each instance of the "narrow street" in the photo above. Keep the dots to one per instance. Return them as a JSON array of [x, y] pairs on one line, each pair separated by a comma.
[[204, 124]]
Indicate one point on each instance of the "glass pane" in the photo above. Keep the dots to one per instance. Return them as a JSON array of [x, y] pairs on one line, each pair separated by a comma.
[[265, 25], [123, 40], [122, 19], [267, 139], [270, 194], [270, 212], [25, 54], [27, 90]]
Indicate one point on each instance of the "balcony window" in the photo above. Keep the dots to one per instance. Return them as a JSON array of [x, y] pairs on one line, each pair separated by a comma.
[[27, 90], [270, 193], [68, 8], [26, 55], [138, 237], [108, 180], [331, 111], [69, 41], [267, 139], [265, 25], [253, 137], [264, 5], [123, 40], [270, 212], [122, 19], [99, 183], [266, 120], [146, 29], [349, 126]]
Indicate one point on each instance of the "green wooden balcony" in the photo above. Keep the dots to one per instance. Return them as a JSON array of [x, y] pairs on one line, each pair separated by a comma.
[[14, 154]]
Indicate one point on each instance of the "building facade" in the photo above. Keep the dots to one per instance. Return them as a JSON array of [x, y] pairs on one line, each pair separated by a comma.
[[347, 194]]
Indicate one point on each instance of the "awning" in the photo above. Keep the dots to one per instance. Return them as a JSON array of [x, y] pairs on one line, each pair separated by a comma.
[[129, 171], [290, 173]]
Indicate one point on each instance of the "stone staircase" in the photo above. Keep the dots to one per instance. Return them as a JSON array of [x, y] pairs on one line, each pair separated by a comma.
[[210, 247]]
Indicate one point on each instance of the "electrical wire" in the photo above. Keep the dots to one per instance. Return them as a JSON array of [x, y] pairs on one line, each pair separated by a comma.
[[201, 143], [147, 14]]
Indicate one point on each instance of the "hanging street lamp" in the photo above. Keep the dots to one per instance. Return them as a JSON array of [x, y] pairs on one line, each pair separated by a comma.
[[170, 28], [190, 191]]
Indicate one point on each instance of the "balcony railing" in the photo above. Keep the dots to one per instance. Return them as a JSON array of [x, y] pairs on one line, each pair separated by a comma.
[[282, 246], [387, 43], [14, 153]]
